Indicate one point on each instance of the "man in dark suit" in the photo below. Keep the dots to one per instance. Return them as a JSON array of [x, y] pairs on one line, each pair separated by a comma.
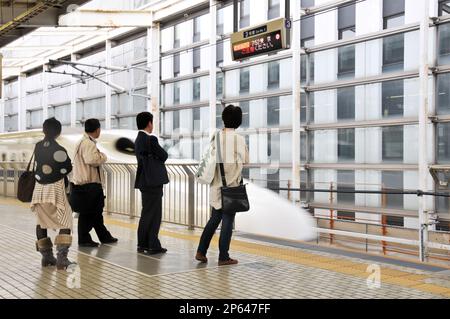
[[151, 175]]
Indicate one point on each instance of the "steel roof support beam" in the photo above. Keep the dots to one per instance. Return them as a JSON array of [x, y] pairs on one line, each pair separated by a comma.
[[106, 18]]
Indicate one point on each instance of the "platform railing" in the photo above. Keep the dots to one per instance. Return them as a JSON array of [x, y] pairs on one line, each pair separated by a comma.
[[186, 202]]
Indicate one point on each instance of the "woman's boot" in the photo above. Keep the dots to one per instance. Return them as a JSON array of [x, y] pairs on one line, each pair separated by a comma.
[[44, 246], [63, 243]]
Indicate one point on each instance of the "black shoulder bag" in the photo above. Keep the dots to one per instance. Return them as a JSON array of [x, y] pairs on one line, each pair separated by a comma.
[[27, 182], [234, 199]]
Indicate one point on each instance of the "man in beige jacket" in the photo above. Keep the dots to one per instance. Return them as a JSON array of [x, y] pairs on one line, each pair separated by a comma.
[[86, 173]]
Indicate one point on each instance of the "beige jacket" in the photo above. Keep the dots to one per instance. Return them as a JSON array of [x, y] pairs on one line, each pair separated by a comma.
[[234, 155], [87, 162]]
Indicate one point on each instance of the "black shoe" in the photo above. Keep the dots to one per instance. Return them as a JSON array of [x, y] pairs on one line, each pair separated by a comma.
[[156, 251], [141, 250], [89, 244], [111, 240]]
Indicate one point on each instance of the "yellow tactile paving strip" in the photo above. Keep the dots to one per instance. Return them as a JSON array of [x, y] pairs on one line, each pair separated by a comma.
[[388, 275]]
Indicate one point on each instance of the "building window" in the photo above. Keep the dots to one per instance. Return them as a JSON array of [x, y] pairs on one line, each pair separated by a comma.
[[219, 122], [176, 93], [444, 7], [196, 119], [393, 13], [220, 25], [196, 59], [303, 65], [444, 44], [346, 61], [273, 75], [303, 108], [273, 147], [393, 53], [346, 144], [176, 36], [443, 225], [349, 216], [443, 94], [346, 182], [346, 103], [219, 53], [393, 46], [392, 98], [244, 14], [176, 121], [176, 64], [397, 221], [392, 143], [274, 9], [273, 181], [197, 30], [219, 85], [443, 140], [245, 107], [392, 181], [244, 80], [196, 89], [273, 111], [346, 30]]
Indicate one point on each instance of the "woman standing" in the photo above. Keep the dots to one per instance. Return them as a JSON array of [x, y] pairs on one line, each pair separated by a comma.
[[50, 201], [234, 156]]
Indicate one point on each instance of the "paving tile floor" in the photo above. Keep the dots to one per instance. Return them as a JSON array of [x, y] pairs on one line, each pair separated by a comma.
[[116, 271]]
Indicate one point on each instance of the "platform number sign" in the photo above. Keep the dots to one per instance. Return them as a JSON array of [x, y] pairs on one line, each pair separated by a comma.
[[254, 41]]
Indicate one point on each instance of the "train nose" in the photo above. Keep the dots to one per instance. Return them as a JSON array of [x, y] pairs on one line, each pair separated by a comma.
[[125, 145]]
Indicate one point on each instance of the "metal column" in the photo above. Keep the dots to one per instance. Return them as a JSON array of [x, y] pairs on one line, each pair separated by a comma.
[[423, 123], [21, 105], [73, 96], [108, 90], [2, 108], [154, 59], [44, 93], [296, 12], [212, 65], [148, 106]]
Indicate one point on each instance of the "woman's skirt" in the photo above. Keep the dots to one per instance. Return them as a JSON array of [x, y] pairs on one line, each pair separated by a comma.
[[51, 206]]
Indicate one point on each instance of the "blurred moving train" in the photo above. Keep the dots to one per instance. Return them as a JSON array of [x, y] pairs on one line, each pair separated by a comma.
[[270, 214]]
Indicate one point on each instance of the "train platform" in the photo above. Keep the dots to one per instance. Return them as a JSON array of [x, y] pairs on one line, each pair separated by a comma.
[[267, 268]]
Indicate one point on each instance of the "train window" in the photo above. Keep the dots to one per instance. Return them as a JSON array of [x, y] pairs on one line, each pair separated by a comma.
[[3, 157]]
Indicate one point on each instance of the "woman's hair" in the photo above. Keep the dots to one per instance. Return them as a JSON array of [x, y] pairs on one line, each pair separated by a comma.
[[91, 125], [232, 116], [51, 128]]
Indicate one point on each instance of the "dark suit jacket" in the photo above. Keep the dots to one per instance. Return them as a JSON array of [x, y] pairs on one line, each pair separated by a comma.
[[151, 172]]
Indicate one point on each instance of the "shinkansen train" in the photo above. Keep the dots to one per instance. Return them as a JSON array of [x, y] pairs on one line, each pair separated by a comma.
[[270, 214]]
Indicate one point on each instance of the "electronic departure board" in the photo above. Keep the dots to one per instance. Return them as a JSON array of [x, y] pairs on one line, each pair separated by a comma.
[[262, 39]]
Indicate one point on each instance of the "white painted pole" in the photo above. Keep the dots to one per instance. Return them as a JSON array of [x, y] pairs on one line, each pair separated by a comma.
[[148, 106], [2, 108], [108, 90], [21, 103], [212, 65], [154, 59], [44, 94], [423, 119], [295, 43], [73, 96]]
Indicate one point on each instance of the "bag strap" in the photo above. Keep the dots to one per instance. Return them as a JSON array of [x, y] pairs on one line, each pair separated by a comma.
[[219, 157], [31, 160]]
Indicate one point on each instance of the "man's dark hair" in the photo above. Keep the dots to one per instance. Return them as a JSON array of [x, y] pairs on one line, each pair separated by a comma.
[[232, 116], [91, 125], [143, 119], [51, 128]]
